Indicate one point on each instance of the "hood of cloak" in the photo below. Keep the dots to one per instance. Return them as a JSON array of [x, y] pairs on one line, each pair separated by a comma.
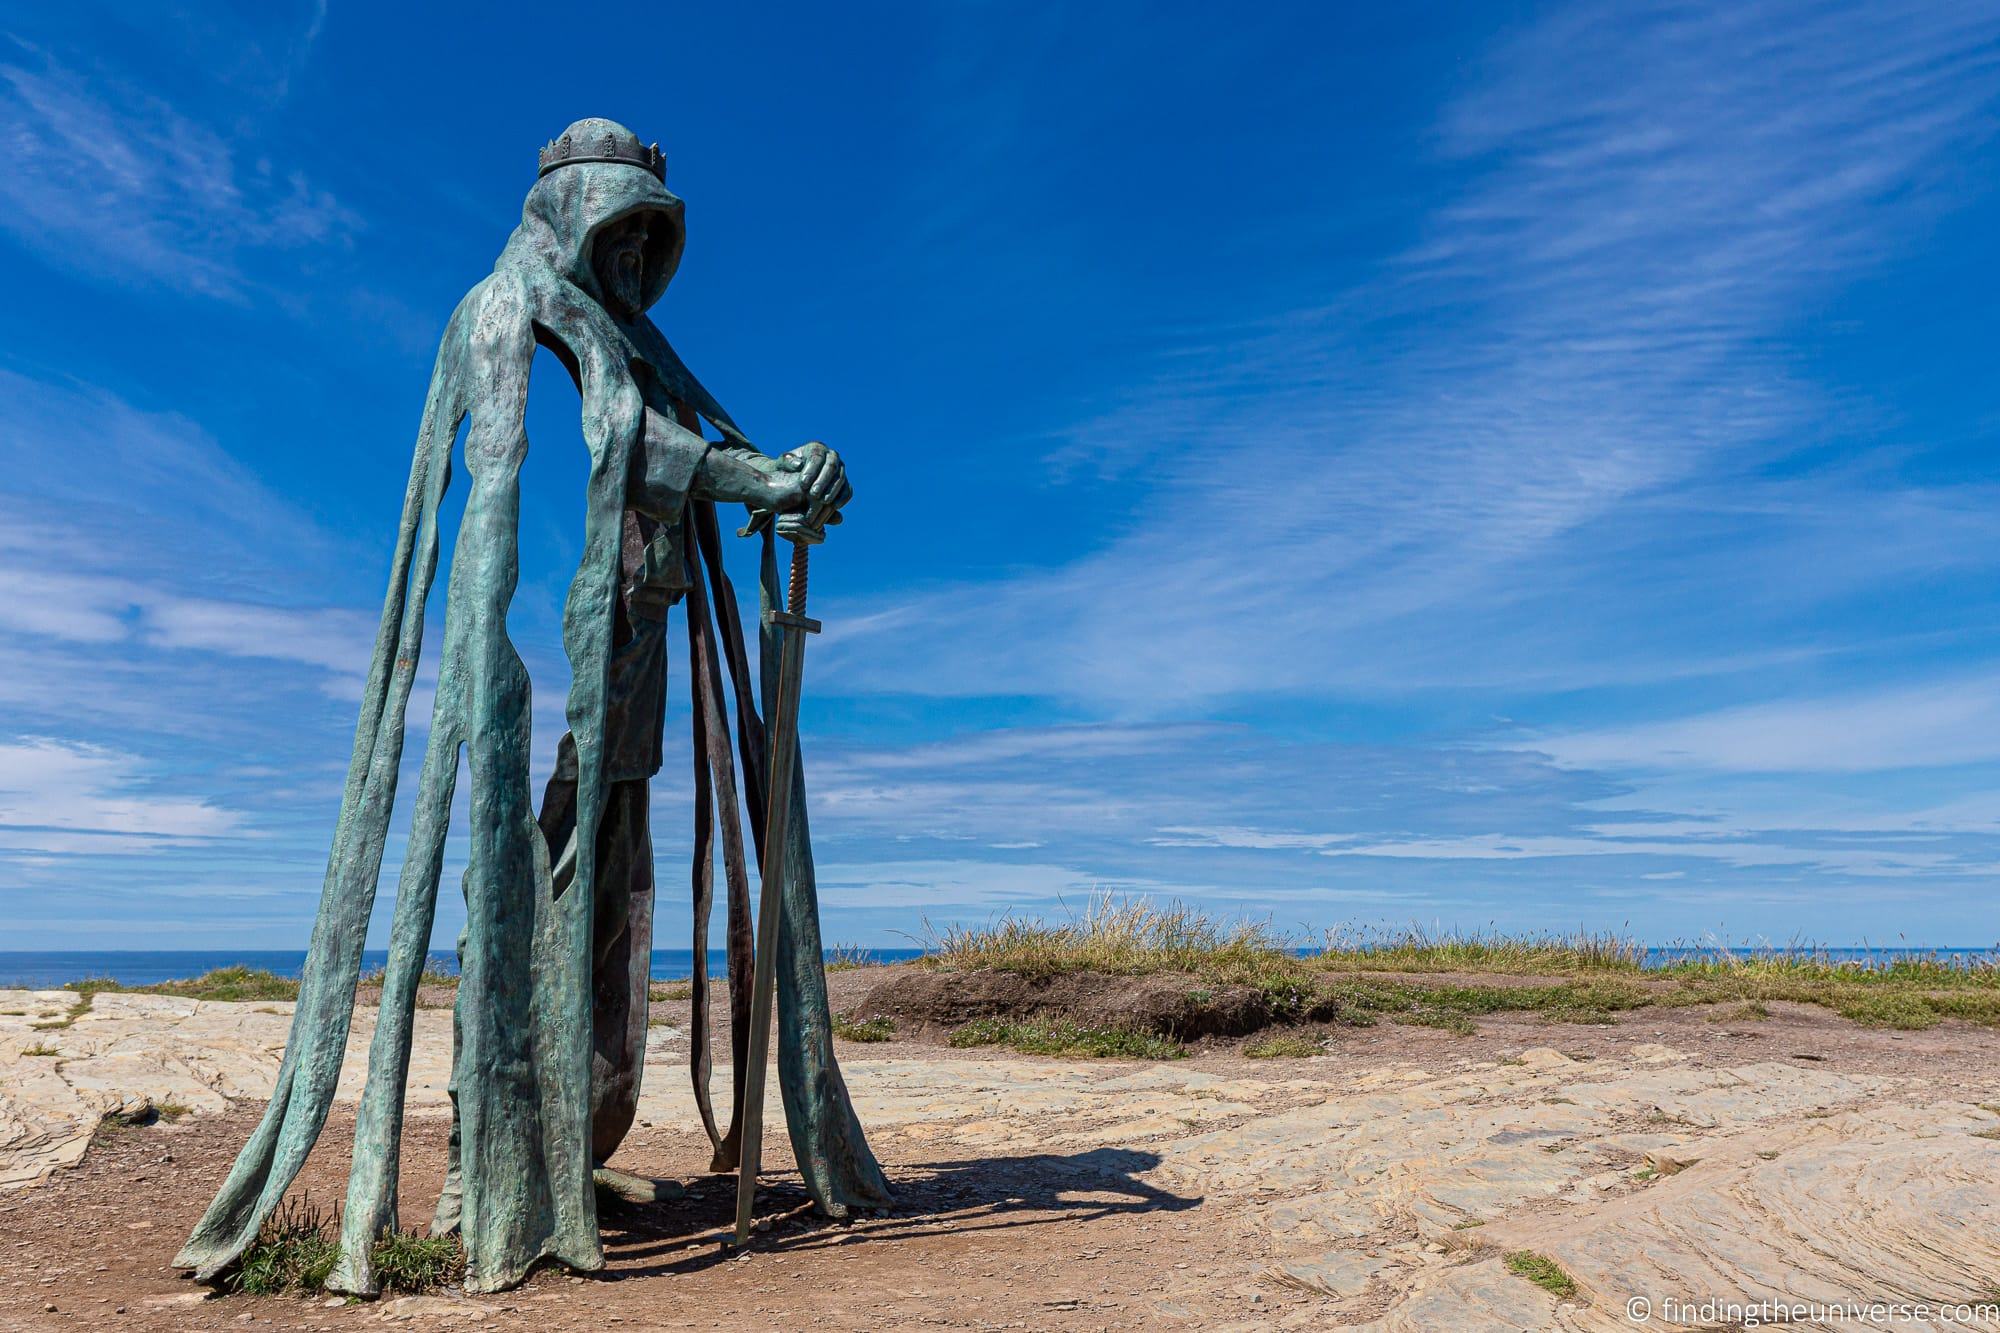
[[570, 207]]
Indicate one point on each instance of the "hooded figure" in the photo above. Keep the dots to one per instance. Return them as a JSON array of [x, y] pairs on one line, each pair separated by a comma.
[[551, 1012]]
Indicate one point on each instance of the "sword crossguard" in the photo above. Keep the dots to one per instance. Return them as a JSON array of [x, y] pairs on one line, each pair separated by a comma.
[[791, 620]]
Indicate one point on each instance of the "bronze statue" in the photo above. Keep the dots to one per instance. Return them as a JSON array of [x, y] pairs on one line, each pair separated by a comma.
[[550, 1021]]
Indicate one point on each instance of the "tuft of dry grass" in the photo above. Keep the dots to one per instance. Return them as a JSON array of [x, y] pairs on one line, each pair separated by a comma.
[[1120, 937], [1798, 962], [1416, 948], [850, 958]]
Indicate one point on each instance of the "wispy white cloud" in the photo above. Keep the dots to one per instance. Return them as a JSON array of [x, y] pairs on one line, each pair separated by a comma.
[[1242, 820], [1190, 835], [1419, 481], [1917, 726], [958, 885], [1750, 854], [53, 791], [88, 477], [148, 663], [109, 179], [110, 515]]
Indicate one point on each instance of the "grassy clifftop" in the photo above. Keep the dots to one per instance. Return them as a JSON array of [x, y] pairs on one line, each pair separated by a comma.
[[1446, 979]]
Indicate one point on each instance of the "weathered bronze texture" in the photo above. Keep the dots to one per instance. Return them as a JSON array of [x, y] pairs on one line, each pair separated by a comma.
[[551, 1011], [792, 624]]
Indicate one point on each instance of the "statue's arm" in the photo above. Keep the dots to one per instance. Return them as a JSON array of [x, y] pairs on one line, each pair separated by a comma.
[[678, 463]]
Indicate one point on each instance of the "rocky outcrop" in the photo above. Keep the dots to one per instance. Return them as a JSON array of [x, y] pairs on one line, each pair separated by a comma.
[[65, 1068], [1393, 1192]]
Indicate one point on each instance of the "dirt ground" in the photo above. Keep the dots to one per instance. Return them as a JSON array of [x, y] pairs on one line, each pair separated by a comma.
[[1006, 1242], [1081, 1236]]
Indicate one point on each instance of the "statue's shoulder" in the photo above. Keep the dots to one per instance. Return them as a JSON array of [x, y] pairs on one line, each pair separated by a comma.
[[495, 318]]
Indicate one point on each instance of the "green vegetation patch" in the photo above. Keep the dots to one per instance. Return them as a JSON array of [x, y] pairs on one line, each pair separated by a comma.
[[863, 1029], [1453, 1007], [223, 983], [40, 1049], [1056, 1036], [1284, 1046], [1910, 1003], [230, 983], [406, 1261], [1543, 1271], [86, 994], [299, 1244]]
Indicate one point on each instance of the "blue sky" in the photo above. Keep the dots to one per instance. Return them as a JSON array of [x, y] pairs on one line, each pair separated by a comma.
[[1528, 465]]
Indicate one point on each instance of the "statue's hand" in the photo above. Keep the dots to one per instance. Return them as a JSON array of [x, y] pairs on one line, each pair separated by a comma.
[[815, 482]]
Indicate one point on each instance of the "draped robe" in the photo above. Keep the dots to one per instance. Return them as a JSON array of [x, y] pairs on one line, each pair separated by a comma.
[[544, 983]]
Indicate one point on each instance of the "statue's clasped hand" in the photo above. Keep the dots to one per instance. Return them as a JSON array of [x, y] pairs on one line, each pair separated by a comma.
[[810, 487]]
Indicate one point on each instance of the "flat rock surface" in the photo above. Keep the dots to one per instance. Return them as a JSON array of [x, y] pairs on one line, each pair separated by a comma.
[[1670, 1160]]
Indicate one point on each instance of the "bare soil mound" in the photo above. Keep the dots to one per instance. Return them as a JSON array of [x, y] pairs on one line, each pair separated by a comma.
[[1182, 1007]]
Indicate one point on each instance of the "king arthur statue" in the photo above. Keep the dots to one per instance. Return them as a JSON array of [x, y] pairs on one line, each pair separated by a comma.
[[550, 1022]]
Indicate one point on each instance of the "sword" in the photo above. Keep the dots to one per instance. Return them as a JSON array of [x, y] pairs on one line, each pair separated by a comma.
[[793, 625]]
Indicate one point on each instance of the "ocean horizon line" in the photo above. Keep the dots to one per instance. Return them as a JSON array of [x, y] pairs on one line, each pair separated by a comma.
[[42, 969]]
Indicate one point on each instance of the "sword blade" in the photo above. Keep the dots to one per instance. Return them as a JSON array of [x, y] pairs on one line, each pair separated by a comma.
[[770, 893]]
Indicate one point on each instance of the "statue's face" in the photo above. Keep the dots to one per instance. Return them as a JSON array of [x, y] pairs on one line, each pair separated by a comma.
[[619, 260]]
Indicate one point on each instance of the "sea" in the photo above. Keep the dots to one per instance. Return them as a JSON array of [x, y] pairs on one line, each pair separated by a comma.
[[37, 969], [40, 970]]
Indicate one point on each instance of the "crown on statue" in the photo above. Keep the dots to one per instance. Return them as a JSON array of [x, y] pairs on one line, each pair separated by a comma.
[[602, 141]]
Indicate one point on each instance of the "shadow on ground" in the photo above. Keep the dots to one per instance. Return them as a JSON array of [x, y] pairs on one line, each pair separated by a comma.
[[960, 1197]]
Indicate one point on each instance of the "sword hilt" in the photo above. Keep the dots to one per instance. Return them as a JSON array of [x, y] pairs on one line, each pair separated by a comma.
[[795, 602], [803, 535]]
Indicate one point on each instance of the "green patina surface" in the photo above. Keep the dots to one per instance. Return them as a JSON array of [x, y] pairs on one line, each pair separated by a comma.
[[548, 1049]]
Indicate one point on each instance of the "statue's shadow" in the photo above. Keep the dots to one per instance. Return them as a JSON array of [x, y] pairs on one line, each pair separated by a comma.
[[935, 1198]]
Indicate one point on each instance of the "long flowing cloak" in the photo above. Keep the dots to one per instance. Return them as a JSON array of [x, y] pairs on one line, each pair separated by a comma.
[[521, 1185]]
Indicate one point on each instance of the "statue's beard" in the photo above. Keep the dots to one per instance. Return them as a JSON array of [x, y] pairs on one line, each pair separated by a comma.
[[621, 275]]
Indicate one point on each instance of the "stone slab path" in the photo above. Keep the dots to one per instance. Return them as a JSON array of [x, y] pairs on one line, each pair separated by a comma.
[[1385, 1194]]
